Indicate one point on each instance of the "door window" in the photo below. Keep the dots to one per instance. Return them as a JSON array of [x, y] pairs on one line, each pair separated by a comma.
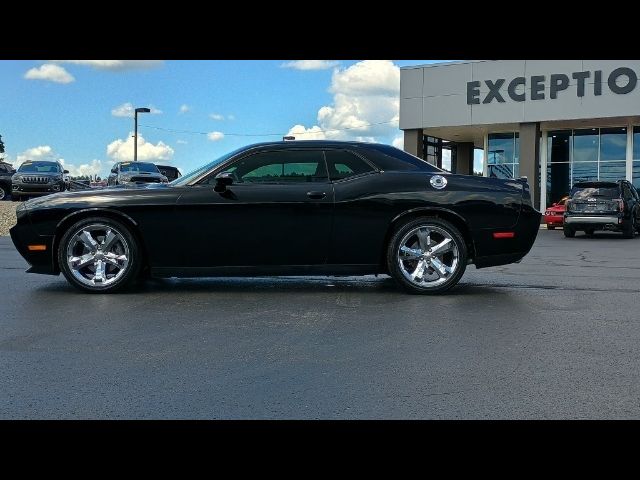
[[295, 166]]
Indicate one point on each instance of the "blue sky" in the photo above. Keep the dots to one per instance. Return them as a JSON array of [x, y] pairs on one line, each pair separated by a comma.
[[77, 111]]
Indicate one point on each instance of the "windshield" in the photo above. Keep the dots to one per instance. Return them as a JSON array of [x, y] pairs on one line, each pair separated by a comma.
[[39, 167], [186, 179], [135, 167], [582, 193]]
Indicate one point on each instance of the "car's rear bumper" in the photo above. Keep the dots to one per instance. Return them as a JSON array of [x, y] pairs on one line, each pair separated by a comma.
[[494, 250], [593, 220]]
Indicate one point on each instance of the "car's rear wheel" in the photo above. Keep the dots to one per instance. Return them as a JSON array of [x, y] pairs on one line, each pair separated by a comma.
[[99, 255], [569, 232], [3, 193], [427, 255], [629, 228]]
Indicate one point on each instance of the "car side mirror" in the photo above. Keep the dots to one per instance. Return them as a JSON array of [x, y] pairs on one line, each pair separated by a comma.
[[223, 180], [65, 171]]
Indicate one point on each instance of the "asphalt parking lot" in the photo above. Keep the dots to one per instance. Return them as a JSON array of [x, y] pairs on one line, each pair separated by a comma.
[[556, 336]]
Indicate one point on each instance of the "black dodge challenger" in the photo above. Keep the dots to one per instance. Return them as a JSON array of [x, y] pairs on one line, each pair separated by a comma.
[[285, 208]]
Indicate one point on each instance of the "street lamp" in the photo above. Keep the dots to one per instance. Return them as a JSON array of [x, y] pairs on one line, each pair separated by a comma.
[[135, 136]]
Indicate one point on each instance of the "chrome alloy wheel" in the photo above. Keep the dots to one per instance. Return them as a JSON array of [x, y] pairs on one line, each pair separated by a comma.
[[428, 256], [97, 255], [2, 193]]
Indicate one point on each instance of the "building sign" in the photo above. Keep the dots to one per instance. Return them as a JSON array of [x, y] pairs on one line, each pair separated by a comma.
[[620, 81]]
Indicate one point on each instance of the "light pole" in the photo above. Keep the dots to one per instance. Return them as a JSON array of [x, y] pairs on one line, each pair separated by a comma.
[[135, 136]]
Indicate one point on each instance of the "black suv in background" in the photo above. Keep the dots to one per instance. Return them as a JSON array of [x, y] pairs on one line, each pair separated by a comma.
[[36, 178], [170, 172], [603, 206], [6, 172]]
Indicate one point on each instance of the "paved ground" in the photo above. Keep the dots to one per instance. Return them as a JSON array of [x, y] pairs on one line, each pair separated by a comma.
[[556, 336]]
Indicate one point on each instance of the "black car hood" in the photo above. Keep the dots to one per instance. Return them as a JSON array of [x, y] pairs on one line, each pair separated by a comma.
[[108, 195]]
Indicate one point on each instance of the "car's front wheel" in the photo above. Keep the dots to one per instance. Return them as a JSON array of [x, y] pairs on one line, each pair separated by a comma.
[[427, 255], [99, 255], [569, 232]]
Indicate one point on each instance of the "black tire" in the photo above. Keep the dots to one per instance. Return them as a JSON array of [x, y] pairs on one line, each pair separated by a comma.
[[15, 198], [569, 232], [549, 227], [3, 193], [393, 252], [134, 258], [629, 228]]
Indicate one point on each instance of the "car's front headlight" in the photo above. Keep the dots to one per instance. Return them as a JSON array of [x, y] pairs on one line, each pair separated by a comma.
[[125, 178], [17, 178], [57, 178]]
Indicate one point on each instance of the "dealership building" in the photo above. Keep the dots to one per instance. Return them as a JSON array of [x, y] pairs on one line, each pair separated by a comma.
[[556, 121]]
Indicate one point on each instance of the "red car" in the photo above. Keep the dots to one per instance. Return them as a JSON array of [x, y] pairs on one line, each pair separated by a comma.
[[553, 216]]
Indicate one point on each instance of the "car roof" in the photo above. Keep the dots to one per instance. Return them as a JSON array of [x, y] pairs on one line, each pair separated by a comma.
[[316, 143]]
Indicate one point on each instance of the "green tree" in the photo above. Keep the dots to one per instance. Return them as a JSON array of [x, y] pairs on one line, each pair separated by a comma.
[[1, 148]]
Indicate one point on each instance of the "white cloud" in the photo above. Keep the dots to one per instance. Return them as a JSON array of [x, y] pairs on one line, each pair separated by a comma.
[[92, 168], [302, 133], [127, 110], [215, 136], [365, 104], [184, 108], [50, 73], [398, 142], [115, 65], [122, 150], [231, 117], [310, 64], [45, 152], [181, 142], [216, 116]]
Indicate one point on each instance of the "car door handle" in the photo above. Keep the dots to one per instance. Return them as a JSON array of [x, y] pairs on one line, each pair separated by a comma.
[[316, 195]]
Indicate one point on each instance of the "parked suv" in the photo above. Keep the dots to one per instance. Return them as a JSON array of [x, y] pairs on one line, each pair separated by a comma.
[[36, 178], [603, 206], [170, 172], [132, 173], [6, 172]]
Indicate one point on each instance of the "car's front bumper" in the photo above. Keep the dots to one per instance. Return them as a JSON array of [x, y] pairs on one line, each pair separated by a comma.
[[23, 235], [33, 190], [553, 220]]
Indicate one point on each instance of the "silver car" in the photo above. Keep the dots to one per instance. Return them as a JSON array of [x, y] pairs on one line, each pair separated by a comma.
[[132, 173]]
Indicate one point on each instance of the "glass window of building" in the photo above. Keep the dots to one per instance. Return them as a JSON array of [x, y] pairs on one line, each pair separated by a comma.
[[586, 155], [503, 155], [613, 154], [558, 165], [636, 157]]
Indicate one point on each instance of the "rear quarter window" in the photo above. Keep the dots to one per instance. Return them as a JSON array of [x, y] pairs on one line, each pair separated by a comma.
[[393, 159]]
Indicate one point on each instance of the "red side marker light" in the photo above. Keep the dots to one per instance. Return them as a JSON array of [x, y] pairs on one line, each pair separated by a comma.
[[504, 234], [37, 248]]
